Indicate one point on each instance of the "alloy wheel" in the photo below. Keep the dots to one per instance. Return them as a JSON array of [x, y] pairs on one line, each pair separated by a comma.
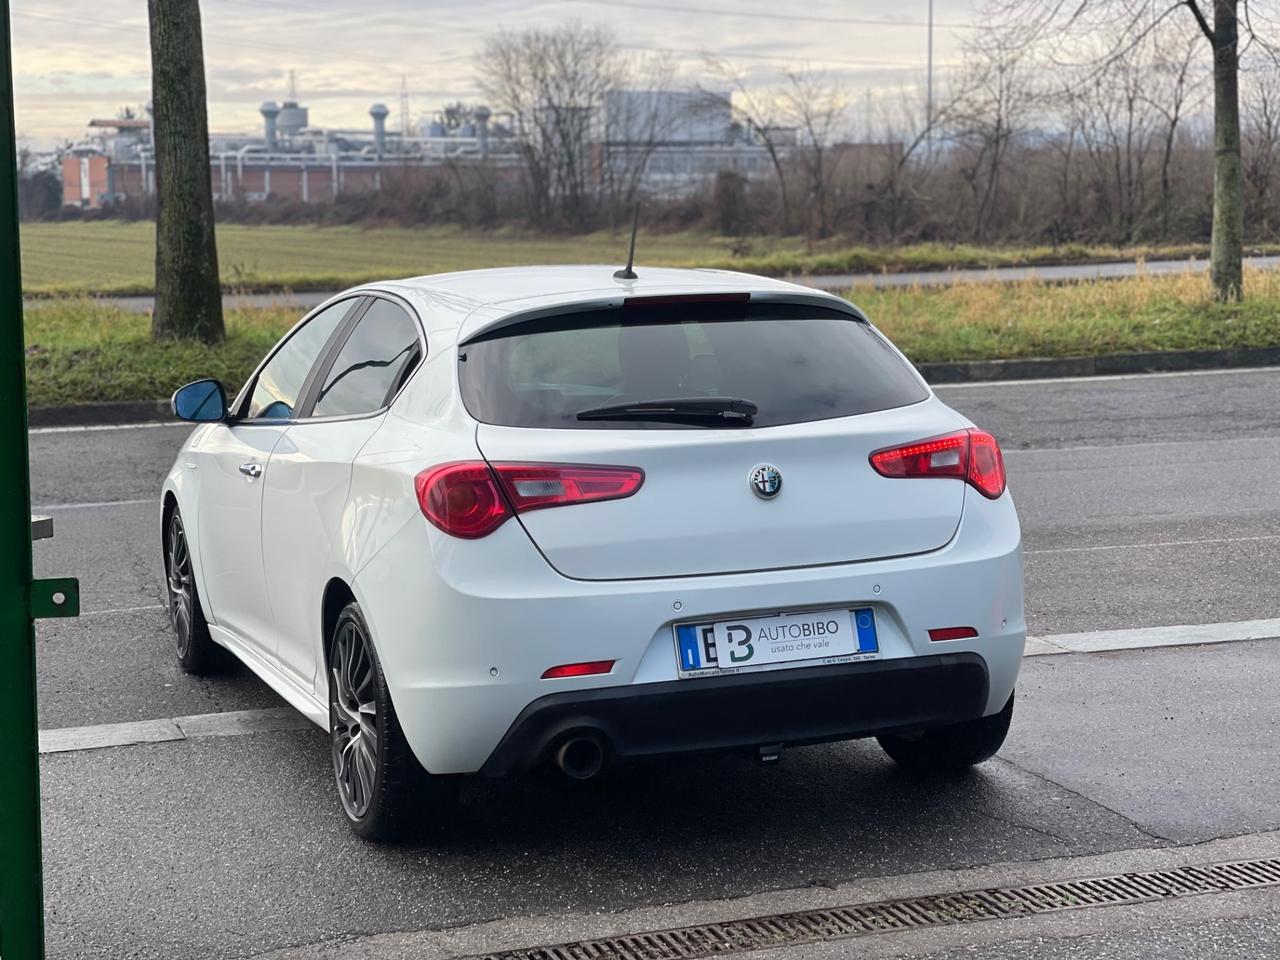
[[353, 719], [181, 588]]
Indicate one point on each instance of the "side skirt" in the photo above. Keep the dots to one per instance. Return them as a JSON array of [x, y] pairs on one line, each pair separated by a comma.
[[302, 700]]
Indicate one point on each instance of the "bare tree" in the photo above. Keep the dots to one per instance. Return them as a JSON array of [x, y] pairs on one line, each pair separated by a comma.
[[908, 130], [554, 83], [1175, 89], [759, 111], [1261, 141], [1117, 125], [188, 293], [992, 113], [1063, 146], [1128, 23], [814, 103], [638, 118]]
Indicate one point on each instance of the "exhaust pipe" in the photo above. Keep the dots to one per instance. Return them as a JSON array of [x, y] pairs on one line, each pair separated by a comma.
[[580, 758]]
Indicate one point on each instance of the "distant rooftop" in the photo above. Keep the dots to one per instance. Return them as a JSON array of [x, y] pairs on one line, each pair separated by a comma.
[[122, 124]]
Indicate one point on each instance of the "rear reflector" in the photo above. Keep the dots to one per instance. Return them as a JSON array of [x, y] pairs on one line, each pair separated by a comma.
[[590, 669], [971, 455], [953, 633], [471, 499]]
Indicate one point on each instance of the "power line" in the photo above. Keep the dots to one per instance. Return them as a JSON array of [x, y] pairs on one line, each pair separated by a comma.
[[760, 14], [778, 58]]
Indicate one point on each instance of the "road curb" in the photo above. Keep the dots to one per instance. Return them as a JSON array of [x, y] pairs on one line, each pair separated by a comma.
[[99, 414], [1170, 361], [971, 371]]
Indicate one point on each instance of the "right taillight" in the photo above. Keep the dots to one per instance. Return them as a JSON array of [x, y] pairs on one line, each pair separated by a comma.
[[471, 498], [971, 455]]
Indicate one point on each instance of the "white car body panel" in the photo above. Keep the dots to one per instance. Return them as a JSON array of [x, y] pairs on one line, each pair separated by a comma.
[[230, 512], [832, 508], [306, 489], [465, 629]]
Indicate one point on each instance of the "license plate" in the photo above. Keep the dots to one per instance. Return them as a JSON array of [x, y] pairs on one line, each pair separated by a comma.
[[749, 643]]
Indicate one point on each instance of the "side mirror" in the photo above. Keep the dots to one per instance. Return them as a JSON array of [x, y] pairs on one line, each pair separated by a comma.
[[201, 401]]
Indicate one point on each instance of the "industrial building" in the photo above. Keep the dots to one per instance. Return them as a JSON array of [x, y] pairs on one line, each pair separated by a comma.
[[677, 140], [288, 157], [672, 141]]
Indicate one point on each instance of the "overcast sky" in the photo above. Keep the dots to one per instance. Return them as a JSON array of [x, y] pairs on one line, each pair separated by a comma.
[[78, 59]]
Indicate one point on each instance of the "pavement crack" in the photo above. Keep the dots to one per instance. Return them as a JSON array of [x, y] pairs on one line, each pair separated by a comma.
[[1149, 834], [1009, 821]]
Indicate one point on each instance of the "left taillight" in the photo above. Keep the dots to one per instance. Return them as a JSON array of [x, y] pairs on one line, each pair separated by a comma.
[[462, 499], [471, 499], [971, 455]]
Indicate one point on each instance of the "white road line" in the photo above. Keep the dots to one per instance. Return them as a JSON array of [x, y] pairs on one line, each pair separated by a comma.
[[117, 610], [240, 722], [1158, 543], [1103, 376], [93, 504], [1144, 637], [1252, 438], [148, 425], [230, 724]]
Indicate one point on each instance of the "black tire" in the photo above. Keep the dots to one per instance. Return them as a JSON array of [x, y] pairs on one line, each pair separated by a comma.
[[197, 651], [950, 749], [383, 792]]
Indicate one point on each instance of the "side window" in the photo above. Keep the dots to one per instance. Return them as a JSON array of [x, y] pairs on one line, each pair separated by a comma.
[[277, 390], [377, 357]]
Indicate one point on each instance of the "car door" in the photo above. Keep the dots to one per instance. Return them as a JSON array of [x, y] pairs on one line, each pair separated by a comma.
[[305, 491], [233, 459]]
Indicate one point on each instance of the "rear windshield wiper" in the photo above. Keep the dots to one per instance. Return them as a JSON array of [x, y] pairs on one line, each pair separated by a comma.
[[709, 411]]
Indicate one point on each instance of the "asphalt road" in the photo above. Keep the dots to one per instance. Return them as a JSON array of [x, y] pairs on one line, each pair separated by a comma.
[[1145, 502], [837, 282]]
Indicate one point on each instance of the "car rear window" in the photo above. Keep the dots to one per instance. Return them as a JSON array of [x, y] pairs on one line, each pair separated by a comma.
[[796, 363]]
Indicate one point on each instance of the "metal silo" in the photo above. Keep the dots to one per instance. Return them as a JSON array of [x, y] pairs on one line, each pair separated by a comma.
[[292, 119], [379, 113], [270, 113]]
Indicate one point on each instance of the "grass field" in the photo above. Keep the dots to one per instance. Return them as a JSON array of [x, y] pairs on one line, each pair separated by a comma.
[[81, 350], [117, 257], [986, 321], [110, 256]]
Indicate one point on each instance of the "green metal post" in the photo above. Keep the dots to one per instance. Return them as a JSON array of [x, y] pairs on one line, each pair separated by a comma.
[[21, 598], [21, 892]]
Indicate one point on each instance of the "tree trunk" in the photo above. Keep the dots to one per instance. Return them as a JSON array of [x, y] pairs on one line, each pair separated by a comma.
[[1226, 262], [188, 295]]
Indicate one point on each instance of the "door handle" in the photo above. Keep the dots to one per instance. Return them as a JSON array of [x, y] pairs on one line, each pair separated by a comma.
[[251, 470]]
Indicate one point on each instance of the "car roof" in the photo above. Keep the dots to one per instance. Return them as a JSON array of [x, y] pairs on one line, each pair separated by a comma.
[[472, 301]]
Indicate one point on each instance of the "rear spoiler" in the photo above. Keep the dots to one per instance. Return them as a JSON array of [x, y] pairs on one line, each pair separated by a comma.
[[477, 324]]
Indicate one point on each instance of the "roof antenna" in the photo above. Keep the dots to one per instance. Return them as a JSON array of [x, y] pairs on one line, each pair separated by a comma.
[[626, 273]]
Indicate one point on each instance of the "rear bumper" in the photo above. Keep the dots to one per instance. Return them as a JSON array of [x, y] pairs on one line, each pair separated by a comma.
[[810, 705], [466, 629]]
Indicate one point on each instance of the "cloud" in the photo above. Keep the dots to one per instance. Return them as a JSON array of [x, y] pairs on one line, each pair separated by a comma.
[[75, 59]]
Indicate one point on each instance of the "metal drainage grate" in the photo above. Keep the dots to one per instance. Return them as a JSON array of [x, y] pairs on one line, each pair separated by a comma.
[[810, 926]]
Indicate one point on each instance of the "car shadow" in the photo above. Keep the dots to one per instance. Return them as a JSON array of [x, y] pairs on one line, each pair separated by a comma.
[[714, 824]]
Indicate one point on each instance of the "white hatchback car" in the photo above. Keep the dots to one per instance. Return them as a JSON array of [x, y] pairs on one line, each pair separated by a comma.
[[478, 521]]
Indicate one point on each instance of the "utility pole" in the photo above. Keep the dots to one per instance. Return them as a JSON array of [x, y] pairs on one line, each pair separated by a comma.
[[928, 84], [21, 598], [404, 108]]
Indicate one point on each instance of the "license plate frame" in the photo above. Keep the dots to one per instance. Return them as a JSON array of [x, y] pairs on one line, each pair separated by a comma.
[[697, 643]]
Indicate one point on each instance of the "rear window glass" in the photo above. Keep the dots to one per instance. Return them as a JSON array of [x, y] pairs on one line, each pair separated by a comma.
[[795, 363]]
